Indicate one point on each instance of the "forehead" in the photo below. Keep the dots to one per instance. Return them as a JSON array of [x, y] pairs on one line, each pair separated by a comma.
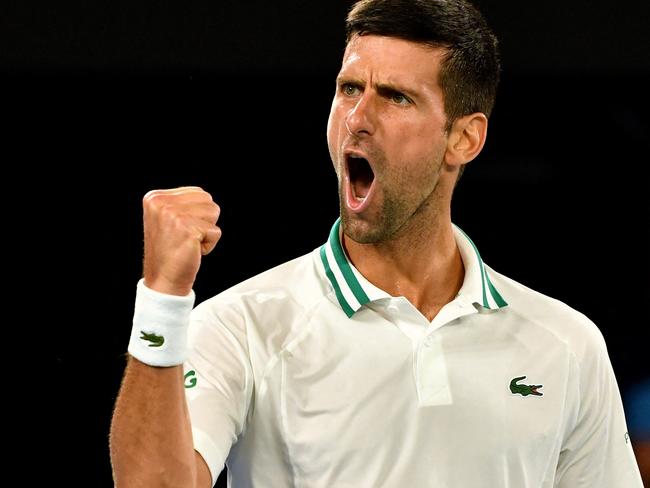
[[391, 60]]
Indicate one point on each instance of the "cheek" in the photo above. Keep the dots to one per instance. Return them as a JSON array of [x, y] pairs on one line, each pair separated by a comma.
[[330, 128], [421, 154], [425, 144], [334, 119], [333, 126], [331, 142]]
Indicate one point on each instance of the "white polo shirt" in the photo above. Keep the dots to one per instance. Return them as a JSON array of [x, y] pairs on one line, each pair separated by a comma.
[[309, 376]]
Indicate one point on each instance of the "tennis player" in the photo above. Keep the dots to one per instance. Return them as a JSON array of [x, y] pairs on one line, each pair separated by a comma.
[[392, 355]]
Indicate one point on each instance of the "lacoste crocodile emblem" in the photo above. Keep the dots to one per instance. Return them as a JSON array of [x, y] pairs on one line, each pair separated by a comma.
[[156, 340], [524, 390]]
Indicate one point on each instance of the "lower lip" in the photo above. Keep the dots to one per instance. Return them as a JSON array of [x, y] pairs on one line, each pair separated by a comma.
[[353, 204]]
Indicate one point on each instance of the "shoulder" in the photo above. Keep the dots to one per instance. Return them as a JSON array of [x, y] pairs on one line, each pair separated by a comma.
[[289, 291], [549, 316]]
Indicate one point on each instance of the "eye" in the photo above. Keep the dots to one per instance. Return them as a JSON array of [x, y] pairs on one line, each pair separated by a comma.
[[349, 89], [400, 99]]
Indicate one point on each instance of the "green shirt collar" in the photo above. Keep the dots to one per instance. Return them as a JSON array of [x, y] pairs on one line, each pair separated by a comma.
[[353, 291]]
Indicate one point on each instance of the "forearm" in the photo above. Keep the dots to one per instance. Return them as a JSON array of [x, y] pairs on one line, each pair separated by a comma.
[[151, 438]]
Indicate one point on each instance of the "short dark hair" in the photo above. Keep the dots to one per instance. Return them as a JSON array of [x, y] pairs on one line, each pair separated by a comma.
[[469, 72]]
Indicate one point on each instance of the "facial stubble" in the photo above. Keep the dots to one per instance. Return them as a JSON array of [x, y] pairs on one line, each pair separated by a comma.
[[397, 214]]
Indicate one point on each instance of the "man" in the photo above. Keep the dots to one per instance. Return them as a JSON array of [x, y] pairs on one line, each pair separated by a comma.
[[392, 355]]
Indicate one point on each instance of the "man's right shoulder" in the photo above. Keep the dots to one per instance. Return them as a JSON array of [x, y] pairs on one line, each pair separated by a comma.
[[288, 290]]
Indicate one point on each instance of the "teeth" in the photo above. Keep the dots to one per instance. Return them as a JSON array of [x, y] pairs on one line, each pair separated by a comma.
[[356, 197]]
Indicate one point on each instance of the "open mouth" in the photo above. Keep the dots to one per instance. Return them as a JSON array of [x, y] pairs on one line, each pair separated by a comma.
[[361, 177]]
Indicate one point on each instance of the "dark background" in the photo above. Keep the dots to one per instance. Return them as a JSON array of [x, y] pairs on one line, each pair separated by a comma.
[[103, 101]]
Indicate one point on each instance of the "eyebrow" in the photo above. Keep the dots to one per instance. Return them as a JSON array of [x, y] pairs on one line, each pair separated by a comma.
[[382, 88], [389, 89]]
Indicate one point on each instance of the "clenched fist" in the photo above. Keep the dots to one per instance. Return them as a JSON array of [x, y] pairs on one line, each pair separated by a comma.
[[179, 227]]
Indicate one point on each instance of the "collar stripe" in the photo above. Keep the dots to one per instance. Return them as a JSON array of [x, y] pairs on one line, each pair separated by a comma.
[[346, 292], [344, 265], [495, 294], [330, 276], [485, 280], [349, 291]]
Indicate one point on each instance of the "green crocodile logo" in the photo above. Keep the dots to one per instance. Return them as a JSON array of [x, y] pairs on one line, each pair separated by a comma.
[[190, 376], [524, 390], [156, 340]]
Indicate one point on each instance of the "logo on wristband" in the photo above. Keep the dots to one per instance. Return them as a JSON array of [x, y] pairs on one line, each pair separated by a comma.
[[156, 340]]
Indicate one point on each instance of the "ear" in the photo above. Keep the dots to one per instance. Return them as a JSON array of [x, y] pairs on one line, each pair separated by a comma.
[[466, 139]]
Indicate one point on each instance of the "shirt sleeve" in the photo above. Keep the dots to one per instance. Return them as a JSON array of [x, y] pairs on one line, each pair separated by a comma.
[[218, 382], [597, 452]]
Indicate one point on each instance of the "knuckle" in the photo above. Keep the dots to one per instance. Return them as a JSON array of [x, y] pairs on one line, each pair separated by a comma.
[[150, 193], [168, 215], [153, 200], [215, 210], [177, 219], [148, 197]]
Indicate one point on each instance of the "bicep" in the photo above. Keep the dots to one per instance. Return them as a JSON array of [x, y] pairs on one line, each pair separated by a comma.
[[203, 477], [595, 452]]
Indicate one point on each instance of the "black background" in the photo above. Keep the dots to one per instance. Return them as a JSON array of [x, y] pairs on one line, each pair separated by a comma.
[[104, 101]]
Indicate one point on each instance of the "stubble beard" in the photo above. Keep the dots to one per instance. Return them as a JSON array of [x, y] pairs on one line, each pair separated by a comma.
[[396, 216], [379, 230]]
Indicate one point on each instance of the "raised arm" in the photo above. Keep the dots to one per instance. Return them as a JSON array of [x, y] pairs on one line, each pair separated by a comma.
[[151, 439]]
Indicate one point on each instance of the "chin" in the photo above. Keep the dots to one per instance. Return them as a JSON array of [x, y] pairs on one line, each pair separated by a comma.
[[364, 231]]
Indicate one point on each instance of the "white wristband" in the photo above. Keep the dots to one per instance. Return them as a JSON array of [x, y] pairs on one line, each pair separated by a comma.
[[160, 323]]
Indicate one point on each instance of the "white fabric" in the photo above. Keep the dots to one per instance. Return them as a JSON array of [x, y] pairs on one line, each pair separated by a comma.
[[291, 392], [160, 324]]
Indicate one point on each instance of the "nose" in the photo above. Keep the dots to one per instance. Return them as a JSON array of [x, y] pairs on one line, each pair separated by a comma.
[[360, 119]]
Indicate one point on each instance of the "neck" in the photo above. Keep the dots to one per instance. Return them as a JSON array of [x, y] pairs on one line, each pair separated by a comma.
[[421, 262]]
